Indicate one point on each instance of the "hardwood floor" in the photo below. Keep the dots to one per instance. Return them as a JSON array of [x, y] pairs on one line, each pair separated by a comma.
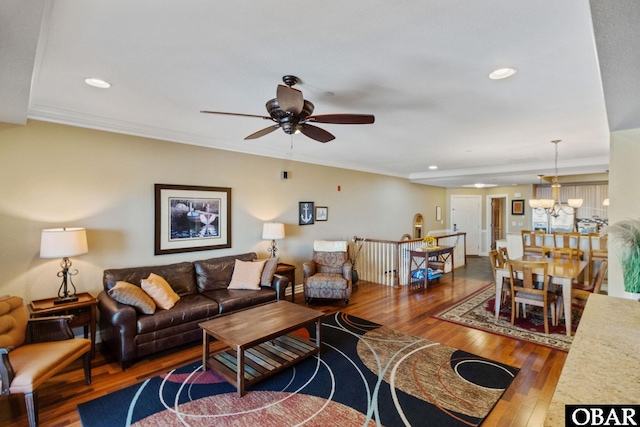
[[409, 309]]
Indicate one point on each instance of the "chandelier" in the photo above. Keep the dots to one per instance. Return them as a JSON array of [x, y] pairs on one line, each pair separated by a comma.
[[553, 206]]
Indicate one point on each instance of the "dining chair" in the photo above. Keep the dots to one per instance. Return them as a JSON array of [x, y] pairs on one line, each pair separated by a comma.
[[497, 261], [524, 275], [505, 254], [580, 295], [569, 239], [532, 242], [560, 253], [598, 251]]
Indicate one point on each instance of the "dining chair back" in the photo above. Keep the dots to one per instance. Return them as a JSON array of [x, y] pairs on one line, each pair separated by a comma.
[[497, 261], [524, 277], [598, 251], [568, 240], [532, 242], [580, 295], [505, 254]]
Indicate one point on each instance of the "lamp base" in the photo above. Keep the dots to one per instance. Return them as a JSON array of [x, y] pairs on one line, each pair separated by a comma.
[[65, 300]]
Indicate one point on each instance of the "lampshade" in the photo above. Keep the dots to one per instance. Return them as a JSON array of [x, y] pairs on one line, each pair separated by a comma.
[[63, 242], [273, 231], [605, 202]]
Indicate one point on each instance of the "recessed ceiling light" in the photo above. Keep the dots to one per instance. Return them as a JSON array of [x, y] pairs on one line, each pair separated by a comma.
[[102, 84], [433, 167], [502, 73]]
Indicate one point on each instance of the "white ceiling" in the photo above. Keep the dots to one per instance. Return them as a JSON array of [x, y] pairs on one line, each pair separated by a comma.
[[420, 66]]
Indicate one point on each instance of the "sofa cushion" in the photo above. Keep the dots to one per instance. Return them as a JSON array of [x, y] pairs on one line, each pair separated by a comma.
[[189, 308], [160, 291], [235, 299], [126, 293], [247, 275], [215, 273], [268, 271], [180, 276]]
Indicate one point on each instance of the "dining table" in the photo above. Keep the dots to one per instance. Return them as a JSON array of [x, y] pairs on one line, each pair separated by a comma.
[[562, 272]]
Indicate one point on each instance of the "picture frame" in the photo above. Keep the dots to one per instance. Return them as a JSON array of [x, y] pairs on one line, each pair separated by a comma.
[[191, 218], [322, 213], [517, 207], [306, 213], [438, 213]]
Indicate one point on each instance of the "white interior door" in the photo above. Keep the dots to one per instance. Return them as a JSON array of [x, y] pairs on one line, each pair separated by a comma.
[[466, 216]]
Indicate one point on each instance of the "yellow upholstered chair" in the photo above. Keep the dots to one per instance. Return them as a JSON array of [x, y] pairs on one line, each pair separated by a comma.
[[524, 276], [34, 350]]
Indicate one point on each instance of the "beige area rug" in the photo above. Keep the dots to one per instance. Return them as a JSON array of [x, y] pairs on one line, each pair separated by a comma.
[[477, 311]]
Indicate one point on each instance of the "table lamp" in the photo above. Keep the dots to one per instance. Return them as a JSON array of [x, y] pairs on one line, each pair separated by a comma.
[[273, 231], [64, 243]]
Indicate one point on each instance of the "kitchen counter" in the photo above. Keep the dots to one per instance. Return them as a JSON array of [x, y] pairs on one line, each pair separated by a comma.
[[602, 365]]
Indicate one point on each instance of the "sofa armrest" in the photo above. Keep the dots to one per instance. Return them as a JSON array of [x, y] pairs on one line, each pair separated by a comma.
[[279, 283], [122, 316], [346, 271], [309, 269]]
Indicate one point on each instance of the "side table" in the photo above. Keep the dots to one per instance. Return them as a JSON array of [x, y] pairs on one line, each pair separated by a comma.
[[288, 271], [84, 313]]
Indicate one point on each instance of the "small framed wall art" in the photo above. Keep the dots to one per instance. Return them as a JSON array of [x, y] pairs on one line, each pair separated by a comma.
[[191, 218], [517, 207], [322, 213], [306, 213]]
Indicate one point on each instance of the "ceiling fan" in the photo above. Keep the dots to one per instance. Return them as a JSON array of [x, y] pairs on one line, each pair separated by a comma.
[[292, 113]]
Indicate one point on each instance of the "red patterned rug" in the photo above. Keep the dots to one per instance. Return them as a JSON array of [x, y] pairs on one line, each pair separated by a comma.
[[477, 311], [367, 374]]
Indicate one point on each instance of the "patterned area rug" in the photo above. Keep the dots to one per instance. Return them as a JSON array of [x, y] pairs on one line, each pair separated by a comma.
[[367, 375], [477, 311]]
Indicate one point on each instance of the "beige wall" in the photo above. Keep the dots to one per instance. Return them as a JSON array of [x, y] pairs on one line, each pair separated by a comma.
[[55, 175], [624, 194]]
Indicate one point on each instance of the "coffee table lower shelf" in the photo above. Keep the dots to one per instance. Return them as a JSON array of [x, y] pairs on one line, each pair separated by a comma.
[[261, 360]]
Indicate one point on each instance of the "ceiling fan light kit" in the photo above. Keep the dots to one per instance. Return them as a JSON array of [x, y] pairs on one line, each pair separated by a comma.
[[293, 114]]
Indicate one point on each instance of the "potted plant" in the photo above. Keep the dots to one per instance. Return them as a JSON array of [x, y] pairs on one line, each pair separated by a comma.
[[627, 232]]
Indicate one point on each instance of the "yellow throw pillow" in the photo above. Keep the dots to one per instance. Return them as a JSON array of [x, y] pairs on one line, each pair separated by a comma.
[[160, 291], [246, 275], [126, 293]]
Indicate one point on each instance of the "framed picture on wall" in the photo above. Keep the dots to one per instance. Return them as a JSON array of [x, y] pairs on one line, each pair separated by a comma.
[[322, 213], [438, 213], [517, 207], [191, 218], [306, 213]]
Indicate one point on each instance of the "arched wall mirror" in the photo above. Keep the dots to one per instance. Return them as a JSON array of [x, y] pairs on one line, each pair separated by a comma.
[[417, 226]]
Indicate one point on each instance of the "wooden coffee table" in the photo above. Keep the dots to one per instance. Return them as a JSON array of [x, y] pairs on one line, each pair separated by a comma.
[[260, 342]]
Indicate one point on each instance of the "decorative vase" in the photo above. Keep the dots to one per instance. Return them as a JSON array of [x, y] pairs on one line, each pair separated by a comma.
[[354, 276]]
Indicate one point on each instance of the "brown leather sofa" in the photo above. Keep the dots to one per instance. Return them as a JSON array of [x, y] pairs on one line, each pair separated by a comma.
[[202, 287]]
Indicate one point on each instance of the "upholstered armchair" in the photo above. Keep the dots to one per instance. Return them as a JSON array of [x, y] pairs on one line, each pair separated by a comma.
[[34, 350], [328, 274]]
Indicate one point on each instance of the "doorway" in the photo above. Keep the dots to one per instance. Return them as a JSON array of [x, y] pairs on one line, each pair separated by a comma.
[[496, 218], [466, 216]]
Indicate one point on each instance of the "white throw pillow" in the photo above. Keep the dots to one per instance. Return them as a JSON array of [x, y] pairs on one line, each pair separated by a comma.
[[247, 275]]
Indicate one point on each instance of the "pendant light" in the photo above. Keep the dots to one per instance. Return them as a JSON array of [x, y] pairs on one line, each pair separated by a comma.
[[554, 206]]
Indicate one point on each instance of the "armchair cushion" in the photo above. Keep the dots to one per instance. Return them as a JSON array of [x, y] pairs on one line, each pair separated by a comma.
[[33, 364]]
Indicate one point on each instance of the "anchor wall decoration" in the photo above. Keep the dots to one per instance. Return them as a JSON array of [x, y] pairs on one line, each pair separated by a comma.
[[305, 213]]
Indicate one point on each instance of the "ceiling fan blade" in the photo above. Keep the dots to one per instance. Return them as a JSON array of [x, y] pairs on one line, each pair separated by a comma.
[[343, 119], [262, 132], [237, 114], [316, 133], [290, 99]]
